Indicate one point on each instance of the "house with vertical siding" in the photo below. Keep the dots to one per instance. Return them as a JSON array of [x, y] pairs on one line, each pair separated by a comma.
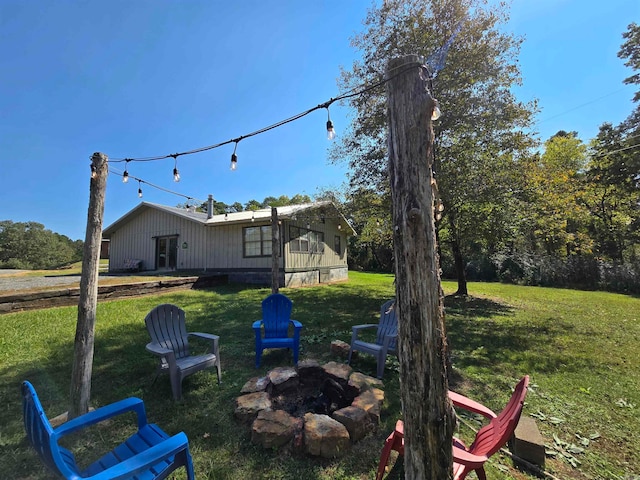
[[312, 242]]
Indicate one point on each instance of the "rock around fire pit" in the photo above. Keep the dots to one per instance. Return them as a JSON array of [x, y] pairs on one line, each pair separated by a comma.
[[315, 409]]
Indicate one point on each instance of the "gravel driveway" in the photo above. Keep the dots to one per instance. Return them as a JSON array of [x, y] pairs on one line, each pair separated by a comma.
[[11, 283]]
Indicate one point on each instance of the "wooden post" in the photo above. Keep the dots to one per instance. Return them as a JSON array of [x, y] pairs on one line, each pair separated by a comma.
[[427, 412], [275, 251], [85, 326]]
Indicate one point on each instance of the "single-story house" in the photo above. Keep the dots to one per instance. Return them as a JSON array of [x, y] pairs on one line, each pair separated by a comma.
[[312, 242]]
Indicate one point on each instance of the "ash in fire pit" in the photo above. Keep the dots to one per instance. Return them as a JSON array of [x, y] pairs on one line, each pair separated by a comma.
[[315, 409]]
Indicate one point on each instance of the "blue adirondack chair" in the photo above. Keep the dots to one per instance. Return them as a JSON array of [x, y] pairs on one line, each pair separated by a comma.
[[386, 336], [167, 328], [273, 330], [147, 454]]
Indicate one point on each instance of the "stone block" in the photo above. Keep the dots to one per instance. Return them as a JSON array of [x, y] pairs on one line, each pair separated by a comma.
[[256, 384], [355, 419], [248, 406], [273, 429], [528, 442], [341, 349], [324, 436], [339, 371]]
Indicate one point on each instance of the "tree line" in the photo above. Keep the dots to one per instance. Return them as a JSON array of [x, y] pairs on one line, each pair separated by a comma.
[[30, 246]]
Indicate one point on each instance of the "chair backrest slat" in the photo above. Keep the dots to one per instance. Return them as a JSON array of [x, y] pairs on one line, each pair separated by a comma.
[[167, 326], [39, 433], [276, 312], [388, 323], [493, 436]]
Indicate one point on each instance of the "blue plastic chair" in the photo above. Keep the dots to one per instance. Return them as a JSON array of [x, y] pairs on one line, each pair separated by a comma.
[[273, 330], [148, 454]]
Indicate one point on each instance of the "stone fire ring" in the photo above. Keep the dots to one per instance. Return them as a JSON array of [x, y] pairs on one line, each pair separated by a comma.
[[314, 434]]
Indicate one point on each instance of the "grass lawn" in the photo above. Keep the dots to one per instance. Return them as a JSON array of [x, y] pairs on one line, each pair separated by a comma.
[[580, 349]]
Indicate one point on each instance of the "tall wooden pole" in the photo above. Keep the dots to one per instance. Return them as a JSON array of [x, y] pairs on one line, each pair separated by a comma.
[[85, 326], [275, 251], [427, 411]]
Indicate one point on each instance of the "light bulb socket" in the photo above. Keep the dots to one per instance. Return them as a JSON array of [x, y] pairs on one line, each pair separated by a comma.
[[234, 161], [125, 177], [139, 193], [176, 175]]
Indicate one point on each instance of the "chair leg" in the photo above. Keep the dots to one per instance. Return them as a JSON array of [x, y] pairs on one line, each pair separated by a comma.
[[384, 455], [258, 357], [219, 371], [176, 387]]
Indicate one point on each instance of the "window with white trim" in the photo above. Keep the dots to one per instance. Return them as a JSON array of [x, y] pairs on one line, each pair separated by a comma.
[[256, 241], [302, 240]]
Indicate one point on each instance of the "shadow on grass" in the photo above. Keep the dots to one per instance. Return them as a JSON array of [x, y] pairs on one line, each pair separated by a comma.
[[220, 445]]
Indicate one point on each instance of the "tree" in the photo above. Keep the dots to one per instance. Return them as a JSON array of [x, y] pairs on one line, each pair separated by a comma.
[[557, 201], [479, 140], [30, 245], [613, 194]]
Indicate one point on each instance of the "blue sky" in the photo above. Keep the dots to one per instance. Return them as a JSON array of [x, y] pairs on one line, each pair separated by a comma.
[[141, 78]]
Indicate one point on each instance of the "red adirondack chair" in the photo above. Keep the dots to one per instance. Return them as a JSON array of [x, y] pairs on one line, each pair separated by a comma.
[[488, 441]]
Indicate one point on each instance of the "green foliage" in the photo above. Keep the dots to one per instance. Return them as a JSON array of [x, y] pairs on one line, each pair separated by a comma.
[[28, 245]]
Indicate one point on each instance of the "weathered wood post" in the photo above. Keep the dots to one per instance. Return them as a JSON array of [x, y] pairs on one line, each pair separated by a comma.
[[428, 413], [275, 251], [85, 326]]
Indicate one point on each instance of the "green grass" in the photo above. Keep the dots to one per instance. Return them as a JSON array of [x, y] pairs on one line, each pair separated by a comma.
[[580, 349]]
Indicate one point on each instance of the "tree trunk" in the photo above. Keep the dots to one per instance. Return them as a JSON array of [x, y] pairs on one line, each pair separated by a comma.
[[275, 251], [427, 411], [458, 259], [85, 326]]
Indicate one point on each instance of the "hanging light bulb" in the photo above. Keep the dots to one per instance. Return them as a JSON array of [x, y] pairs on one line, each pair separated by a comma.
[[253, 216], [125, 175], [234, 159], [331, 133], [94, 173], [435, 114], [176, 173], [139, 190]]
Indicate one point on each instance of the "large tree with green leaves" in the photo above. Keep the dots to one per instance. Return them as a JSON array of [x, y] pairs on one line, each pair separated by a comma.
[[30, 245], [479, 140]]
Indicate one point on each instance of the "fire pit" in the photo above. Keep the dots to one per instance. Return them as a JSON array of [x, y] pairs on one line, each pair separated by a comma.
[[315, 409]]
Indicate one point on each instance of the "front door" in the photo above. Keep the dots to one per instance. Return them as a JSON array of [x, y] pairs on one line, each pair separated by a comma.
[[166, 253]]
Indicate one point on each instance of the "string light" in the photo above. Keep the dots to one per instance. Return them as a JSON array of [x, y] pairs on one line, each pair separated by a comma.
[[331, 133], [125, 175], [94, 173], [234, 158], [356, 91], [435, 114], [176, 173]]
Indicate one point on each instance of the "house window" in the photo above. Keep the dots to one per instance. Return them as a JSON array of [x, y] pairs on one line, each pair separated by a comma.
[[302, 240], [256, 241], [336, 245]]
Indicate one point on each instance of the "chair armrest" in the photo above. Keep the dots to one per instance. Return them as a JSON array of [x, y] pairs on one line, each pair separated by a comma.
[[207, 336], [471, 405], [296, 324], [143, 460], [157, 349], [468, 459], [357, 328], [212, 339], [257, 324], [387, 340], [103, 413]]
